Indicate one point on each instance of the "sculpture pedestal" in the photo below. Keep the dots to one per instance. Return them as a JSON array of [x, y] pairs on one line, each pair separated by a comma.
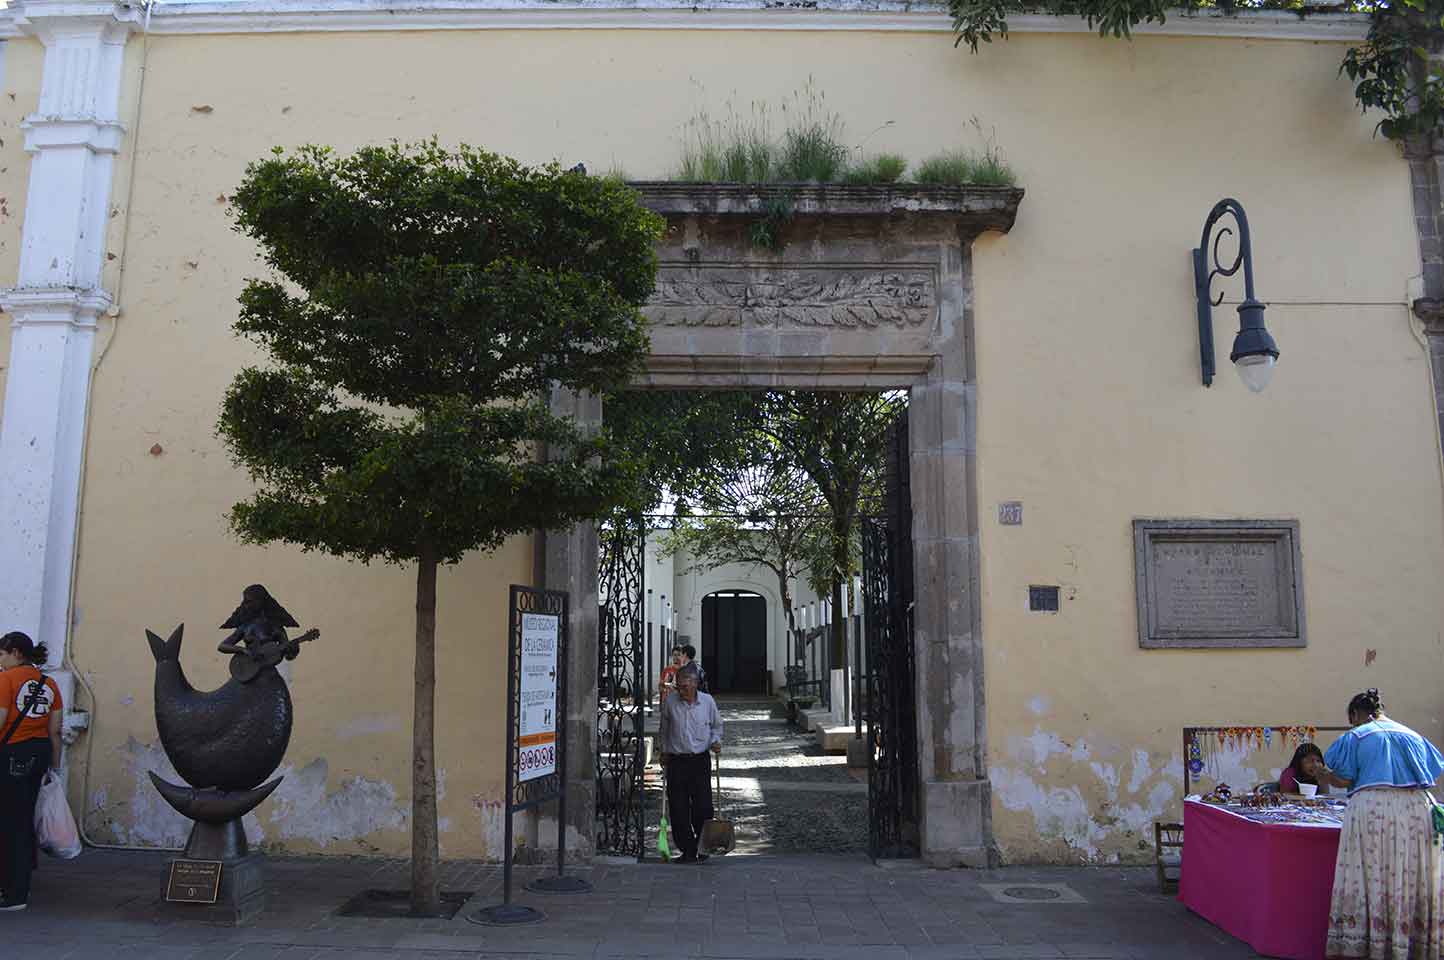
[[241, 895], [240, 898]]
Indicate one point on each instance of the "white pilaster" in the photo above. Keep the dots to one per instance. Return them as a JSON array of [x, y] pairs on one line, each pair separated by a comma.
[[73, 138]]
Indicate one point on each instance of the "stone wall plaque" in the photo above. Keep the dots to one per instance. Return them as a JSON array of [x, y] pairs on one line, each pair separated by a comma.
[[857, 296], [1218, 583]]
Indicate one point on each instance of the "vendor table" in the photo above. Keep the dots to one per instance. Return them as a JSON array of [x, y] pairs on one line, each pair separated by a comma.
[[1268, 884]]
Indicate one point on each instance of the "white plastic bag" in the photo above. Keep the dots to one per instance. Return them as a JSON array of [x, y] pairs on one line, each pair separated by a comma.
[[55, 828]]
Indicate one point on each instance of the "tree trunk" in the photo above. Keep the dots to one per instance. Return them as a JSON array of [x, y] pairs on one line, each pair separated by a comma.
[[789, 648], [841, 528], [425, 856]]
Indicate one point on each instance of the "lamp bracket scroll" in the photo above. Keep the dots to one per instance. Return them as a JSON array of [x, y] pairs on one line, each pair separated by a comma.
[[1254, 351]]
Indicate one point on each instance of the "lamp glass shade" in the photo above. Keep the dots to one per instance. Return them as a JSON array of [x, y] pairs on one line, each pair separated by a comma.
[[1256, 370]]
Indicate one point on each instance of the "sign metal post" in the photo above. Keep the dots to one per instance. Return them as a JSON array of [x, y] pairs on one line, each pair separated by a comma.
[[536, 692]]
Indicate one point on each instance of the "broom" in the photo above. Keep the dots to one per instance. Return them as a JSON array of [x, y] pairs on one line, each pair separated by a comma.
[[664, 849]]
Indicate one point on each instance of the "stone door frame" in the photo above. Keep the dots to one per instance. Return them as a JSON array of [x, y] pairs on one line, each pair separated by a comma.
[[872, 291]]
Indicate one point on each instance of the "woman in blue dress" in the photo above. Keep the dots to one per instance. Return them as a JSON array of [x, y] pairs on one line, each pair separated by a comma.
[[1388, 901]]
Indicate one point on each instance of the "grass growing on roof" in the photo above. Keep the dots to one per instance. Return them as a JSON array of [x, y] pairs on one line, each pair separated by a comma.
[[736, 150], [813, 145], [813, 148], [984, 167], [879, 168]]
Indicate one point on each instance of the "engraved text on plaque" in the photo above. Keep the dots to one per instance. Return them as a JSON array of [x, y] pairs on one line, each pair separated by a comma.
[[1218, 583]]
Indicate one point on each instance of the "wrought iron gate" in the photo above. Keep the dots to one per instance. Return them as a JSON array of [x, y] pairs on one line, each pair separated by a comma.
[[889, 690], [621, 697]]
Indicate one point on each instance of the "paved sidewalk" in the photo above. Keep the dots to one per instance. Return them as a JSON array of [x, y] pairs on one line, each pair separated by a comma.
[[104, 905]]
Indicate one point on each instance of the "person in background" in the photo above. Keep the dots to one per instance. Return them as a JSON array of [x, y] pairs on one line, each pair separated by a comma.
[[1388, 899], [30, 703], [1293, 774], [689, 729], [690, 652], [668, 681]]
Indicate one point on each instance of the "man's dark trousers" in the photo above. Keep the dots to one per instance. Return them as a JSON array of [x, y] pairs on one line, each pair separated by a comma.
[[689, 798]]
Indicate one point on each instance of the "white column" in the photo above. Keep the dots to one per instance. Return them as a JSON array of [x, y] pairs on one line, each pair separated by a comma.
[[73, 138]]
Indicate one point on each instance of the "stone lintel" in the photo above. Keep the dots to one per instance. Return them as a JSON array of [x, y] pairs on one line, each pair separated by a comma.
[[729, 372], [976, 209]]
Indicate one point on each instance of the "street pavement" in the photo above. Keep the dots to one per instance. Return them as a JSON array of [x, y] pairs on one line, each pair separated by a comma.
[[106, 906], [784, 795], [799, 888]]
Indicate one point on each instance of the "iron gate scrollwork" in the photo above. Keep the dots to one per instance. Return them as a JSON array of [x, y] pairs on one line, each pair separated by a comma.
[[621, 699], [889, 685]]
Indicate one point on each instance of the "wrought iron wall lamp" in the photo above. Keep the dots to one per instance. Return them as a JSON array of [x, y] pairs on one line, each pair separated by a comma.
[[1254, 351]]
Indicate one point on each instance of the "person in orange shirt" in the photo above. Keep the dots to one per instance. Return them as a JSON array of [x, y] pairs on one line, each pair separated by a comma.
[[30, 716]]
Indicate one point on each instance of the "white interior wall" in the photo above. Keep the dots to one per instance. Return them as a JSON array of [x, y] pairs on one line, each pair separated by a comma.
[[684, 589]]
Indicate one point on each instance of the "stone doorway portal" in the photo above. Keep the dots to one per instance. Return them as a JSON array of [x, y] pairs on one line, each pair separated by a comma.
[[870, 290]]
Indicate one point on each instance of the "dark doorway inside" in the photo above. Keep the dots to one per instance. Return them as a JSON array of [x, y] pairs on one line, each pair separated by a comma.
[[734, 642]]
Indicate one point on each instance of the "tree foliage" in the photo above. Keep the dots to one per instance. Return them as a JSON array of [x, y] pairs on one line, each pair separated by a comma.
[[838, 440], [784, 456], [685, 444], [1391, 70], [421, 303], [767, 514]]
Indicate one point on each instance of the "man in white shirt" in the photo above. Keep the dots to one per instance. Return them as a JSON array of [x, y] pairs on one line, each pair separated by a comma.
[[689, 729]]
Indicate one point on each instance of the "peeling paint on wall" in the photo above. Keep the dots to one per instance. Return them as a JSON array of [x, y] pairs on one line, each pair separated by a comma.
[[302, 808], [1090, 812], [492, 822], [146, 820]]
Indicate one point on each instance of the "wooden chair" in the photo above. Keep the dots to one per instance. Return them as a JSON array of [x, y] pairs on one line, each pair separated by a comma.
[[1168, 854]]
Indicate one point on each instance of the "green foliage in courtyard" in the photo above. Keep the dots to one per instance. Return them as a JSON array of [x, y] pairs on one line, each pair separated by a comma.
[[773, 478], [1391, 69], [421, 304]]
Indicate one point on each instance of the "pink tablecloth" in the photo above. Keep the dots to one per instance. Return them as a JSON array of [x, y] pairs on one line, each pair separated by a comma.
[[1267, 884]]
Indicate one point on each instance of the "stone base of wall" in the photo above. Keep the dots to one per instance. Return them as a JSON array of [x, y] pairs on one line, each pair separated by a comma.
[[954, 828]]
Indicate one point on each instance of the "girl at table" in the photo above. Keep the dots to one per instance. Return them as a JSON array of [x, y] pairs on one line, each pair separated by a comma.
[[1388, 899], [1294, 774]]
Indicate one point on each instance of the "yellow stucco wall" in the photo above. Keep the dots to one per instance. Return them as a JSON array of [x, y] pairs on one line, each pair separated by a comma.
[[1091, 413], [1089, 406]]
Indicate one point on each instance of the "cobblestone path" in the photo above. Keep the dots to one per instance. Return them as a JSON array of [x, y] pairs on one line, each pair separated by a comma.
[[783, 793]]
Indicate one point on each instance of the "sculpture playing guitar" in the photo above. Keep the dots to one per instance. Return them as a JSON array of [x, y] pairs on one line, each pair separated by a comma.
[[225, 742]]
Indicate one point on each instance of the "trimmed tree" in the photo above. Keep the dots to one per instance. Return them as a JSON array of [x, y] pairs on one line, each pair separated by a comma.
[[422, 304]]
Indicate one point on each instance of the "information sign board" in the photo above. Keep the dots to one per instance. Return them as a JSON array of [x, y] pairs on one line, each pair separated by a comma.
[[536, 754]]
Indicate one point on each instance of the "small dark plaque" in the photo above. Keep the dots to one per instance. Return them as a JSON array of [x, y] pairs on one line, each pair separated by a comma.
[[1010, 513], [1043, 599], [193, 881]]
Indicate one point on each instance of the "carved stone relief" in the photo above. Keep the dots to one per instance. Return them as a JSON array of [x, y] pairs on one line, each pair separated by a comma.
[[858, 296]]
